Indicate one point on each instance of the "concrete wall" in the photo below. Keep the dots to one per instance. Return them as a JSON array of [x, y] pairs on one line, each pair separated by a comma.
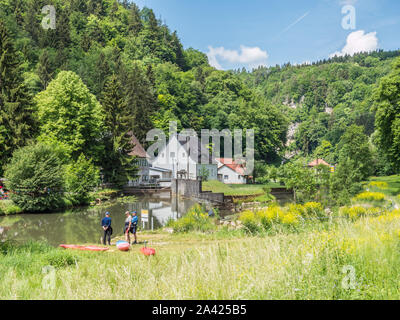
[[193, 189]]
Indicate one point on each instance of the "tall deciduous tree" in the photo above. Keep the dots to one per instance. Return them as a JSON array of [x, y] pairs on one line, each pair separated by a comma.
[[388, 115], [16, 109], [354, 145], [355, 164], [70, 116]]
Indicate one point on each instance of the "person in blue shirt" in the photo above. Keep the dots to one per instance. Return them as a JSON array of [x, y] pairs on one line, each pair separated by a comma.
[[106, 224], [134, 223]]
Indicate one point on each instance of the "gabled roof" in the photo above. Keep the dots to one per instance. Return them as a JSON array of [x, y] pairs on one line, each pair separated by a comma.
[[231, 164], [197, 150], [318, 162], [138, 150]]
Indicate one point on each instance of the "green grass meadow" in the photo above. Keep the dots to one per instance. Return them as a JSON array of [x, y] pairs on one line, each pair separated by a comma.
[[342, 260], [237, 189]]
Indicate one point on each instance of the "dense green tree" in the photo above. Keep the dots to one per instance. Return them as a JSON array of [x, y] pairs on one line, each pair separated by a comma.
[[178, 50], [35, 175], [269, 125], [195, 58], [70, 117], [140, 100], [355, 164], [81, 177], [135, 24], [301, 179], [117, 164], [354, 145], [388, 114], [325, 151], [17, 124], [45, 70]]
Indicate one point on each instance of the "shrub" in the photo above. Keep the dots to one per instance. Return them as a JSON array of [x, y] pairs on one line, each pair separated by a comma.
[[379, 185], [353, 212], [356, 212], [267, 197], [265, 219], [35, 178], [250, 221], [81, 177], [8, 207], [314, 209], [59, 259], [195, 220], [370, 197]]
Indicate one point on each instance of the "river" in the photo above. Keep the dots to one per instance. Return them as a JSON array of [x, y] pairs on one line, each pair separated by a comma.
[[82, 225]]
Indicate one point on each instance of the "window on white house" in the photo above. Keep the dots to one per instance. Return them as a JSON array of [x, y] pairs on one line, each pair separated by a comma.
[[172, 155], [226, 177]]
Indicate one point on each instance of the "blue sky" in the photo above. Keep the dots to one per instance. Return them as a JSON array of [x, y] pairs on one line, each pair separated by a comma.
[[238, 33]]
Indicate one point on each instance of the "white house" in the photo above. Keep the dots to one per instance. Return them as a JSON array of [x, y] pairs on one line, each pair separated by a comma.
[[186, 159], [147, 174], [230, 172]]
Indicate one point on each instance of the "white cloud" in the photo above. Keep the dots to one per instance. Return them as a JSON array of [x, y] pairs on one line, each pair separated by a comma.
[[251, 57], [358, 41]]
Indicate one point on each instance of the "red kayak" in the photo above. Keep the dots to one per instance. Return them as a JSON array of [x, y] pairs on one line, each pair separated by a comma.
[[83, 248], [148, 251]]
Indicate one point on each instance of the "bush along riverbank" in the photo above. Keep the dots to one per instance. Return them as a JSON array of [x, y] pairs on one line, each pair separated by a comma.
[[8, 207]]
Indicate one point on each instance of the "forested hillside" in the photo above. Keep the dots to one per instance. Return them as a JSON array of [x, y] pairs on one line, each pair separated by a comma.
[[323, 99], [160, 81], [109, 68]]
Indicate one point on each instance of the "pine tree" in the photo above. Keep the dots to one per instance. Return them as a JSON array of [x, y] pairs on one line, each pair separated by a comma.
[[135, 24], [178, 50], [63, 32], [141, 101], [152, 37], [44, 69], [118, 165], [31, 21], [16, 120]]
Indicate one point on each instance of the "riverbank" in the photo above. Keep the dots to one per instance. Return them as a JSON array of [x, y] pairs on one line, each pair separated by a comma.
[[339, 259], [99, 199]]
